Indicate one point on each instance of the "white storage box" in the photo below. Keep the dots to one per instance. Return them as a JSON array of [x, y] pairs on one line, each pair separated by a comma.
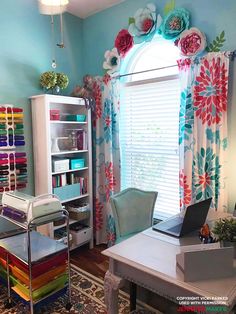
[[60, 165], [204, 261], [81, 236]]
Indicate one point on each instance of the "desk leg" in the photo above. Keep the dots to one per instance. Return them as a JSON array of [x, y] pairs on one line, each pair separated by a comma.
[[112, 284], [133, 295]]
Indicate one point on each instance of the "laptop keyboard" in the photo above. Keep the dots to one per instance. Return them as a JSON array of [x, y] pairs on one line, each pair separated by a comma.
[[176, 228]]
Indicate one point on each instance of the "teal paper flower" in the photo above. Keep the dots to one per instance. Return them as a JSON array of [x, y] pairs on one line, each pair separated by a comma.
[[175, 22], [144, 22]]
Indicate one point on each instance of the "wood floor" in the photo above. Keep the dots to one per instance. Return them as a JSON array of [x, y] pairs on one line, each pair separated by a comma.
[[92, 260]]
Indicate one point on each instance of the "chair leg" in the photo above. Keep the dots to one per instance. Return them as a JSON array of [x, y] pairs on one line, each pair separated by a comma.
[[133, 294]]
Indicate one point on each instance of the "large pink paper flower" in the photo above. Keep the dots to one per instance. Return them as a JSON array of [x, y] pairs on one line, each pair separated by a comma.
[[192, 42], [124, 42]]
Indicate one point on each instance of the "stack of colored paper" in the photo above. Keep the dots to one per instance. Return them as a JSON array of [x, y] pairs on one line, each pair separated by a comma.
[[48, 265]]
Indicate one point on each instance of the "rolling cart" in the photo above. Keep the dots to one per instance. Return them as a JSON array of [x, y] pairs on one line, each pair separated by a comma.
[[37, 267]]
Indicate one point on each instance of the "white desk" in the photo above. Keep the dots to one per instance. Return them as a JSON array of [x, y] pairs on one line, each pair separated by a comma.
[[149, 261]]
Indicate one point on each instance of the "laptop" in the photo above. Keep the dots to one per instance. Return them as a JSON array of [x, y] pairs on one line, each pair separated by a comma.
[[193, 219]]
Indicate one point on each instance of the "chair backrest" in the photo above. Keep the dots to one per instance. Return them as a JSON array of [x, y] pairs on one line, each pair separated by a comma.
[[132, 210]]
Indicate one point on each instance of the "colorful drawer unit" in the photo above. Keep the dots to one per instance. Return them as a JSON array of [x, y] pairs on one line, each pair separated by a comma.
[[49, 265]]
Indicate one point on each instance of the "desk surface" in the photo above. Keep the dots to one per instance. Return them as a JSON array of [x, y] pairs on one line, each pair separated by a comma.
[[155, 255]]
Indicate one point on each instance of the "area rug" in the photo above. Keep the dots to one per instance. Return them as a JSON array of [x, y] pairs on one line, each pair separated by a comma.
[[87, 298]]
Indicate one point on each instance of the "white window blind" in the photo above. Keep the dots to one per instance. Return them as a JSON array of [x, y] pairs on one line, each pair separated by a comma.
[[149, 123]]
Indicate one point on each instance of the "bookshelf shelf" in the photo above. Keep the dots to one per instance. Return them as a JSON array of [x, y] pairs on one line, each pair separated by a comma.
[[68, 171], [71, 178], [68, 122], [67, 152]]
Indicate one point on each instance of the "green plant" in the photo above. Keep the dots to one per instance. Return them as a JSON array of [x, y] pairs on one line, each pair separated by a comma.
[[225, 229], [48, 79], [51, 79], [62, 80]]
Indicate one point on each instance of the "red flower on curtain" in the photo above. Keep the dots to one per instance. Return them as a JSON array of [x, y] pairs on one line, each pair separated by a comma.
[[111, 237], [98, 223], [106, 79], [110, 182], [186, 191], [210, 91], [98, 100], [205, 180]]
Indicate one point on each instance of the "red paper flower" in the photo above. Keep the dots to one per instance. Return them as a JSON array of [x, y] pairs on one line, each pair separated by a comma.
[[147, 25], [124, 42]]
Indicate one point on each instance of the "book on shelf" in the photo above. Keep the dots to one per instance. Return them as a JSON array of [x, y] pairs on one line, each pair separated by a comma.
[[82, 140]]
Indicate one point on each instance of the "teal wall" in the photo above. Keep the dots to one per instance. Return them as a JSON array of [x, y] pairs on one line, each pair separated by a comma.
[[211, 16], [25, 52]]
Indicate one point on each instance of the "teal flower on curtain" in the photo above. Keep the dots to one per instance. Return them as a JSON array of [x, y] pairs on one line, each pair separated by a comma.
[[203, 142], [109, 120], [186, 116], [111, 231], [206, 169], [214, 137]]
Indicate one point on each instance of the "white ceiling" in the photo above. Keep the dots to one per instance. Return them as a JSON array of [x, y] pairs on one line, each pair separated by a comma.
[[85, 8]]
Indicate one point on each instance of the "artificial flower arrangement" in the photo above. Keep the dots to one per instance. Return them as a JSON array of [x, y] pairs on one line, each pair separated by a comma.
[[51, 80], [175, 26]]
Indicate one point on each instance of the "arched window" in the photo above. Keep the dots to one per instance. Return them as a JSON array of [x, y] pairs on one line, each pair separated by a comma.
[[149, 122]]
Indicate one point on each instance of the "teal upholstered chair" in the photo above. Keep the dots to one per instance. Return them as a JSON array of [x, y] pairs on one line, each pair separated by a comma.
[[133, 211]]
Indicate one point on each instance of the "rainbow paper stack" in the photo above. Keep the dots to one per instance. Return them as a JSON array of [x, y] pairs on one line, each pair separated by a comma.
[[48, 266]]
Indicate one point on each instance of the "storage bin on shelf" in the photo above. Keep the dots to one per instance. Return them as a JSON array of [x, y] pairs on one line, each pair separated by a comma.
[[67, 191], [80, 233], [78, 212], [77, 163], [60, 164], [76, 117]]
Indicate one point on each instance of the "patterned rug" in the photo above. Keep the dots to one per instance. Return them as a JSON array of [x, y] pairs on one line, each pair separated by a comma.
[[87, 298]]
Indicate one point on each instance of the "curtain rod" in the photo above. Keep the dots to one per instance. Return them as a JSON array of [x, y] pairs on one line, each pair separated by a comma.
[[145, 71], [232, 55]]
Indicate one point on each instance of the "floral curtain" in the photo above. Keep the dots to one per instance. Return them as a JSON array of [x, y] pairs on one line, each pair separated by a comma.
[[203, 129], [106, 156]]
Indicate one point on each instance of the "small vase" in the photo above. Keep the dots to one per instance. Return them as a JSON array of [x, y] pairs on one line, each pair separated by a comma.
[[56, 90]]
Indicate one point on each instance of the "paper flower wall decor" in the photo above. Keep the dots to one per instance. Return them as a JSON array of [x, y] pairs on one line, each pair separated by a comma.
[[112, 63], [174, 23], [124, 42], [192, 42], [173, 26], [143, 22]]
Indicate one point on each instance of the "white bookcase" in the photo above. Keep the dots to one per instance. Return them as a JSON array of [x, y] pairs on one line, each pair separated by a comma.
[[53, 141]]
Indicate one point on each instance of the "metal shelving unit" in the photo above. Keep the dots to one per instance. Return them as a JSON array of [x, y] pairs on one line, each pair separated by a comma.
[[34, 258]]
